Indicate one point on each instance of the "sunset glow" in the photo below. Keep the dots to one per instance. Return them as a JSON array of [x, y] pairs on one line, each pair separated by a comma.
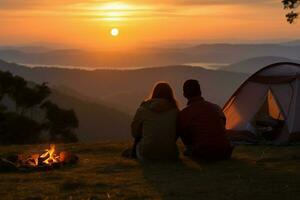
[[113, 11], [84, 23]]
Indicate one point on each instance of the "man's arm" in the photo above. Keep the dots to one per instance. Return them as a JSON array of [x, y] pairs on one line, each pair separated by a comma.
[[221, 115], [182, 131]]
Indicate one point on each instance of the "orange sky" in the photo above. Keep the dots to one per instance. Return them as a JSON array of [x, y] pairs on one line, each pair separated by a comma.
[[87, 23]]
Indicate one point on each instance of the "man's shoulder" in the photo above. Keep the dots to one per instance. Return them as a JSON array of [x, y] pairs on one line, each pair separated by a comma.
[[205, 103], [185, 109], [213, 105]]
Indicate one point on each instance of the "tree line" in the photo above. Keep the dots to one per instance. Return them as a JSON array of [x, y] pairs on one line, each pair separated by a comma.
[[28, 116]]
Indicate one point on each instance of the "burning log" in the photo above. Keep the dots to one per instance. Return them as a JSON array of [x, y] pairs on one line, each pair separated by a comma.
[[45, 161], [7, 165]]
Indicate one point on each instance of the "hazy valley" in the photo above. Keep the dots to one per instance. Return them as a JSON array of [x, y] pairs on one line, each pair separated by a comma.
[[148, 57], [104, 98]]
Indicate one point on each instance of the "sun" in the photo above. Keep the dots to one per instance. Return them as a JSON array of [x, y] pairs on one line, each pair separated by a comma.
[[114, 32]]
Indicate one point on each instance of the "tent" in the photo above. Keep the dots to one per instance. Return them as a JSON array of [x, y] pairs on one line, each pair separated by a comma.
[[275, 89]]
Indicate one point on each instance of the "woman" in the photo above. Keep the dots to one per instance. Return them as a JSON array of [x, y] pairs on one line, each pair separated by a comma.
[[154, 125]]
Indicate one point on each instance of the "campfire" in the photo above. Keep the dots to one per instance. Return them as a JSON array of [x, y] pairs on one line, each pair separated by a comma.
[[49, 159]]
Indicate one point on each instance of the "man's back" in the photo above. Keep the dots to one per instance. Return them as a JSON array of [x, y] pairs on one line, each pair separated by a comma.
[[202, 126]]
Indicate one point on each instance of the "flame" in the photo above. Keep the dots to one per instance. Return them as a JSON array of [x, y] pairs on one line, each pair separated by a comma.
[[50, 155]]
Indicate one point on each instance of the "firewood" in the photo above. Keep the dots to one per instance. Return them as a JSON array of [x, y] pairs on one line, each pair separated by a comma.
[[6, 165]]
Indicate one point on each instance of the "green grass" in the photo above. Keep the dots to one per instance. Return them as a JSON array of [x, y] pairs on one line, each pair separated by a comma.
[[255, 172]]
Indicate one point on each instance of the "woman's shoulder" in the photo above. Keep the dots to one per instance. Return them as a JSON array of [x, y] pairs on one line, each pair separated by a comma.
[[158, 105], [144, 103]]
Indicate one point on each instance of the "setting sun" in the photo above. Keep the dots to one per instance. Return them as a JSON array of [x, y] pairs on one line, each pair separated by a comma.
[[114, 32]]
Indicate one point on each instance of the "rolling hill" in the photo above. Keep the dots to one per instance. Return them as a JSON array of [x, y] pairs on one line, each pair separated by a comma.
[[96, 121]]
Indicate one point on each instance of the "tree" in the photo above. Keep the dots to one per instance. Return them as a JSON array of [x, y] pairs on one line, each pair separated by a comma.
[[27, 98], [60, 123], [19, 126], [291, 5], [17, 89], [6, 83]]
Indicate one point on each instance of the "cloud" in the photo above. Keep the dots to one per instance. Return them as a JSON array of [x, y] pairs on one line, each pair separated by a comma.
[[139, 9], [218, 2], [23, 4], [211, 2]]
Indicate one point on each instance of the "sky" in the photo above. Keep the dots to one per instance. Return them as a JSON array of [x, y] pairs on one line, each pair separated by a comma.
[[142, 23]]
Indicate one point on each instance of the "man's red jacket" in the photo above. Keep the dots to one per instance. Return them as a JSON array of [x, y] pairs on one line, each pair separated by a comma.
[[201, 126]]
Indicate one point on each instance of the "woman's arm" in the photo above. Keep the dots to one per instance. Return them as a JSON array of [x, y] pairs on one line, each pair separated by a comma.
[[137, 124]]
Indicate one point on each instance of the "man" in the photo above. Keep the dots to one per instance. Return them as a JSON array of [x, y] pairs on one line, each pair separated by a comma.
[[201, 126]]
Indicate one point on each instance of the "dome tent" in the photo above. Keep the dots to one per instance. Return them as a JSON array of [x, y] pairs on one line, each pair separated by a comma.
[[277, 87]]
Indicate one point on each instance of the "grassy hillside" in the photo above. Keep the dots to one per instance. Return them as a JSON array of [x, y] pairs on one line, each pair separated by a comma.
[[255, 172], [96, 121]]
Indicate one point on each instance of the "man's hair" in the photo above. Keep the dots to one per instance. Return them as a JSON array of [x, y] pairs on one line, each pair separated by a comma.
[[191, 88]]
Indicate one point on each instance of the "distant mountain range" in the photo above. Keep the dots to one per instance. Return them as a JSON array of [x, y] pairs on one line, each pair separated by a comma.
[[215, 53], [125, 89], [27, 49], [292, 43], [252, 65]]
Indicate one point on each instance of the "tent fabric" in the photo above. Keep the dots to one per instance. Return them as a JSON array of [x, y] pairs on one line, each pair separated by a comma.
[[279, 69], [274, 109], [238, 115], [283, 93], [296, 108], [293, 104], [274, 79], [278, 85]]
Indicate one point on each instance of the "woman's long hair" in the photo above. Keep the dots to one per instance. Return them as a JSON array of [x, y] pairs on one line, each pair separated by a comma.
[[163, 90]]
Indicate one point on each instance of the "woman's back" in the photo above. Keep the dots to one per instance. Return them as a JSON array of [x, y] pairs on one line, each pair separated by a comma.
[[155, 122]]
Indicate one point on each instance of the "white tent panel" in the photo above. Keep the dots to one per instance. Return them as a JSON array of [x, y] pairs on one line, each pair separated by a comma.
[[281, 70], [295, 118], [290, 119], [283, 93], [245, 105], [292, 123]]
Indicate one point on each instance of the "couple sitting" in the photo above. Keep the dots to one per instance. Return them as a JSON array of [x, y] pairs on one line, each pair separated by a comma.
[[158, 123]]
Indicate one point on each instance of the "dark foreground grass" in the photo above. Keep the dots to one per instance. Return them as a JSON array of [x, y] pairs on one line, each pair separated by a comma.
[[255, 172]]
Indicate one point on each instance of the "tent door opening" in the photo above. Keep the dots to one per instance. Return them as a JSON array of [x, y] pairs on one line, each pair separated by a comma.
[[268, 123]]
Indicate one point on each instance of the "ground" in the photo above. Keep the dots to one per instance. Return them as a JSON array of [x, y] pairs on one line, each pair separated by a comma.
[[255, 172]]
